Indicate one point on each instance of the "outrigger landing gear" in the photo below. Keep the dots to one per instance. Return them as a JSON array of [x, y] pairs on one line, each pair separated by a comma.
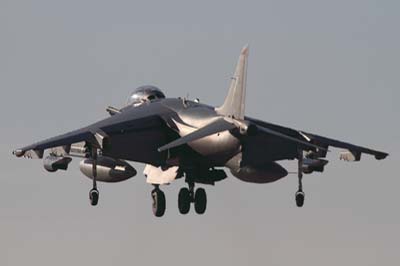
[[94, 193], [300, 194], [188, 195], [94, 196], [159, 205]]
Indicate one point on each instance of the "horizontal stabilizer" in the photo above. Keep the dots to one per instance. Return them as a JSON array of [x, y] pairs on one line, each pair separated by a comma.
[[217, 126]]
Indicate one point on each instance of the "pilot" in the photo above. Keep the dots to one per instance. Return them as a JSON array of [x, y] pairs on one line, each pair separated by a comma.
[[144, 94]]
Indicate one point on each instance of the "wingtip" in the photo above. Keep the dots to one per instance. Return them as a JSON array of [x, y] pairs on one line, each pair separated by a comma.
[[381, 156], [18, 153]]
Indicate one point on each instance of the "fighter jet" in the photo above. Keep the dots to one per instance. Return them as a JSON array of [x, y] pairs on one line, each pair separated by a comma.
[[178, 138]]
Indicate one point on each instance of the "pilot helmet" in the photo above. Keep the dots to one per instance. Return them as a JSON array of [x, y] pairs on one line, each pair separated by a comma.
[[145, 94]]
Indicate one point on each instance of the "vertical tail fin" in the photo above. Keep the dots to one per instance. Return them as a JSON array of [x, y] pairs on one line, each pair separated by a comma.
[[234, 104]]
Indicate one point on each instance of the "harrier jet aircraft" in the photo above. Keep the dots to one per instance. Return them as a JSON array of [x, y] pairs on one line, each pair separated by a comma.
[[179, 138]]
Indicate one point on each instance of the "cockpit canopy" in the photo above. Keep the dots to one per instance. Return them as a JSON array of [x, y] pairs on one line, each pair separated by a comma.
[[145, 94]]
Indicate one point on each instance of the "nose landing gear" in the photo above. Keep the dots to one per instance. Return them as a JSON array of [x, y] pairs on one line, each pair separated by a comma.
[[158, 205]]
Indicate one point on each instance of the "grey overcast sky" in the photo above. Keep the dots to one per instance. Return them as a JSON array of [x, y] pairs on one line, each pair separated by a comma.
[[329, 67]]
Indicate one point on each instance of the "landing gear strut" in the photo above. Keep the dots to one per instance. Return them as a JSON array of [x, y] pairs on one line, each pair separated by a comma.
[[300, 194], [188, 195], [94, 193]]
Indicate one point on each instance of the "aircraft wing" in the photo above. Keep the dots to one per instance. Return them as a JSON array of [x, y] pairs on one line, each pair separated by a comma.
[[353, 152], [98, 134], [35, 151]]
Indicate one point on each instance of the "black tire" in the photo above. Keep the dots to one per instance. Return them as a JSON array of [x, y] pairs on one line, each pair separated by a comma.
[[184, 201], [200, 201], [94, 197], [300, 198], [158, 202]]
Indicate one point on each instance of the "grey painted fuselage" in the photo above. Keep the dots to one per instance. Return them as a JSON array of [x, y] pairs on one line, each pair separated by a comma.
[[174, 132]]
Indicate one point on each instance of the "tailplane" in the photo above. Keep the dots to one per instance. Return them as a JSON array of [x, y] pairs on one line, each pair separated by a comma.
[[234, 104]]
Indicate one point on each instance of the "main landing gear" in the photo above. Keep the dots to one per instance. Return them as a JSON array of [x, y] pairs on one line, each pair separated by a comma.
[[188, 195], [94, 193], [300, 194]]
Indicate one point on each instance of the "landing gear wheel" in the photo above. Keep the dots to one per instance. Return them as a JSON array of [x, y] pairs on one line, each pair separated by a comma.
[[184, 200], [94, 193], [300, 198], [300, 194], [200, 201], [158, 202], [94, 197]]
